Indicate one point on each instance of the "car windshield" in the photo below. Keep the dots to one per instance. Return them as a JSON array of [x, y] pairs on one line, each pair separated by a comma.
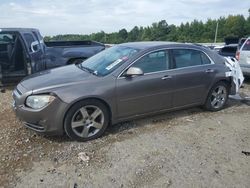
[[108, 60]]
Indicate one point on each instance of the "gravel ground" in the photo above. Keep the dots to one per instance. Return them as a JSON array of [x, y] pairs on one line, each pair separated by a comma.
[[186, 148]]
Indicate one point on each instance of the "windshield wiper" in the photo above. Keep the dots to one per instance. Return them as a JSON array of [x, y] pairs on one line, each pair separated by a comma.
[[88, 70]]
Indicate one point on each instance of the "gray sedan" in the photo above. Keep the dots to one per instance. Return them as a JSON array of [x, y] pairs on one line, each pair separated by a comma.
[[124, 82]]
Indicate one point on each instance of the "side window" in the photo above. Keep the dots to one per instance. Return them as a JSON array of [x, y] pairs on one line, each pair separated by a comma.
[[205, 59], [153, 62], [246, 46], [6, 38], [188, 57], [29, 39]]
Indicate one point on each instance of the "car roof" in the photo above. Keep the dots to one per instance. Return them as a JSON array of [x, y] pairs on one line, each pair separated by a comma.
[[158, 44], [18, 29], [147, 44]]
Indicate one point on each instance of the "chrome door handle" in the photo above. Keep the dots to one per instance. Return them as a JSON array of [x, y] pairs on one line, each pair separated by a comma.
[[209, 71], [166, 77]]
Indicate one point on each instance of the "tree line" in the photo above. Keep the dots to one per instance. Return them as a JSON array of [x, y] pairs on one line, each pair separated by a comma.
[[195, 31]]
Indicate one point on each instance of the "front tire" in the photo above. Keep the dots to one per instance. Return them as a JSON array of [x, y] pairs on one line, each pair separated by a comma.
[[217, 97], [86, 120]]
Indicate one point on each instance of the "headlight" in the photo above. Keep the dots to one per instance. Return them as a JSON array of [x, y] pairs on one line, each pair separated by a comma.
[[39, 101]]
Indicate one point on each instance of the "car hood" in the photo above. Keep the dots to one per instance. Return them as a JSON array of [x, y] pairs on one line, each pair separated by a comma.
[[58, 77]]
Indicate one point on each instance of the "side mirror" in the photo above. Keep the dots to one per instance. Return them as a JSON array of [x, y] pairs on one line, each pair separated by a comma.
[[34, 46], [134, 71]]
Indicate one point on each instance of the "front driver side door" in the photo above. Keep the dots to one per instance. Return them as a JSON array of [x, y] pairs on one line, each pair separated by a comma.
[[149, 92], [35, 52]]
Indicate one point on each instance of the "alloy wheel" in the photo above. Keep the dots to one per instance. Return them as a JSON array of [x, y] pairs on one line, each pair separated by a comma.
[[87, 121], [218, 97]]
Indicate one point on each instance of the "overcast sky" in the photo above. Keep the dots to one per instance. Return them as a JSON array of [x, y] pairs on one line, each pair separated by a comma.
[[87, 16]]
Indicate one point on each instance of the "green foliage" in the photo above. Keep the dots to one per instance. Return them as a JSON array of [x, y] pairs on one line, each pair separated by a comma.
[[195, 31]]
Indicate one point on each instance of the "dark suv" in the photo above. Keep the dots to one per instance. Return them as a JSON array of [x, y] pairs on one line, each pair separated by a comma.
[[124, 82]]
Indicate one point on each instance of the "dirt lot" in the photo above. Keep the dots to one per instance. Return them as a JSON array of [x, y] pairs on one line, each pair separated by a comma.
[[187, 148]]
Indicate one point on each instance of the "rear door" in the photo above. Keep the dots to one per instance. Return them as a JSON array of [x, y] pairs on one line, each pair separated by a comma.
[[35, 52], [149, 92], [193, 73]]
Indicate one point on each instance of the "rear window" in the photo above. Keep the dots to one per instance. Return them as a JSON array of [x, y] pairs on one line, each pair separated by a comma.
[[246, 46]]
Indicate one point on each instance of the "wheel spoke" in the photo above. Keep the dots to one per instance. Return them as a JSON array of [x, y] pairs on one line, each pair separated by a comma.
[[96, 113], [214, 94], [76, 124], [214, 102], [97, 125], [85, 132], [220, 90], [221, 102], [84, 112]]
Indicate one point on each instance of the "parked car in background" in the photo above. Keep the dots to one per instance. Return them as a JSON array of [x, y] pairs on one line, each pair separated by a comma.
[[241, 42], [23, 52], [231, 40], [243, 56], [217, 48], [228, 50], [230, 47], [124, 82]]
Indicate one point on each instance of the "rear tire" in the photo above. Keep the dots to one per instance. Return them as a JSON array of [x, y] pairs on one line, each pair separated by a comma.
[[86, 120], [217, 97]]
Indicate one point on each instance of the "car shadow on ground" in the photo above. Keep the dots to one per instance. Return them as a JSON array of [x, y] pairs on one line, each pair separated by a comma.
[[246, 80], [128, 126], [168, 116]]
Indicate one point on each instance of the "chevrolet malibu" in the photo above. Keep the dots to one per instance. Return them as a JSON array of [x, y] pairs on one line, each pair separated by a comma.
[[124, 82]]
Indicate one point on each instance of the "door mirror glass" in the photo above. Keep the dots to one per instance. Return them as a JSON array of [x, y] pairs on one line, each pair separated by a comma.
[[134, 71]]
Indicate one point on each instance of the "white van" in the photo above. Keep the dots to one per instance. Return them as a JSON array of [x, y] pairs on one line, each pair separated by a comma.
[[243, 56]]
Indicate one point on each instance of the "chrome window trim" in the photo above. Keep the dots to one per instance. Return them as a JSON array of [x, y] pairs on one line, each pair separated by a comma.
[[161, 49]]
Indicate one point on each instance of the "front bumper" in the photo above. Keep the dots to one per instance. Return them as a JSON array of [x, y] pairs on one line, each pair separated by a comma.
[[47, 120]]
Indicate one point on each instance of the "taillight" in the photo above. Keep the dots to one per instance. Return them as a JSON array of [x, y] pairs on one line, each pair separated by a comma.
[[237, 55]]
